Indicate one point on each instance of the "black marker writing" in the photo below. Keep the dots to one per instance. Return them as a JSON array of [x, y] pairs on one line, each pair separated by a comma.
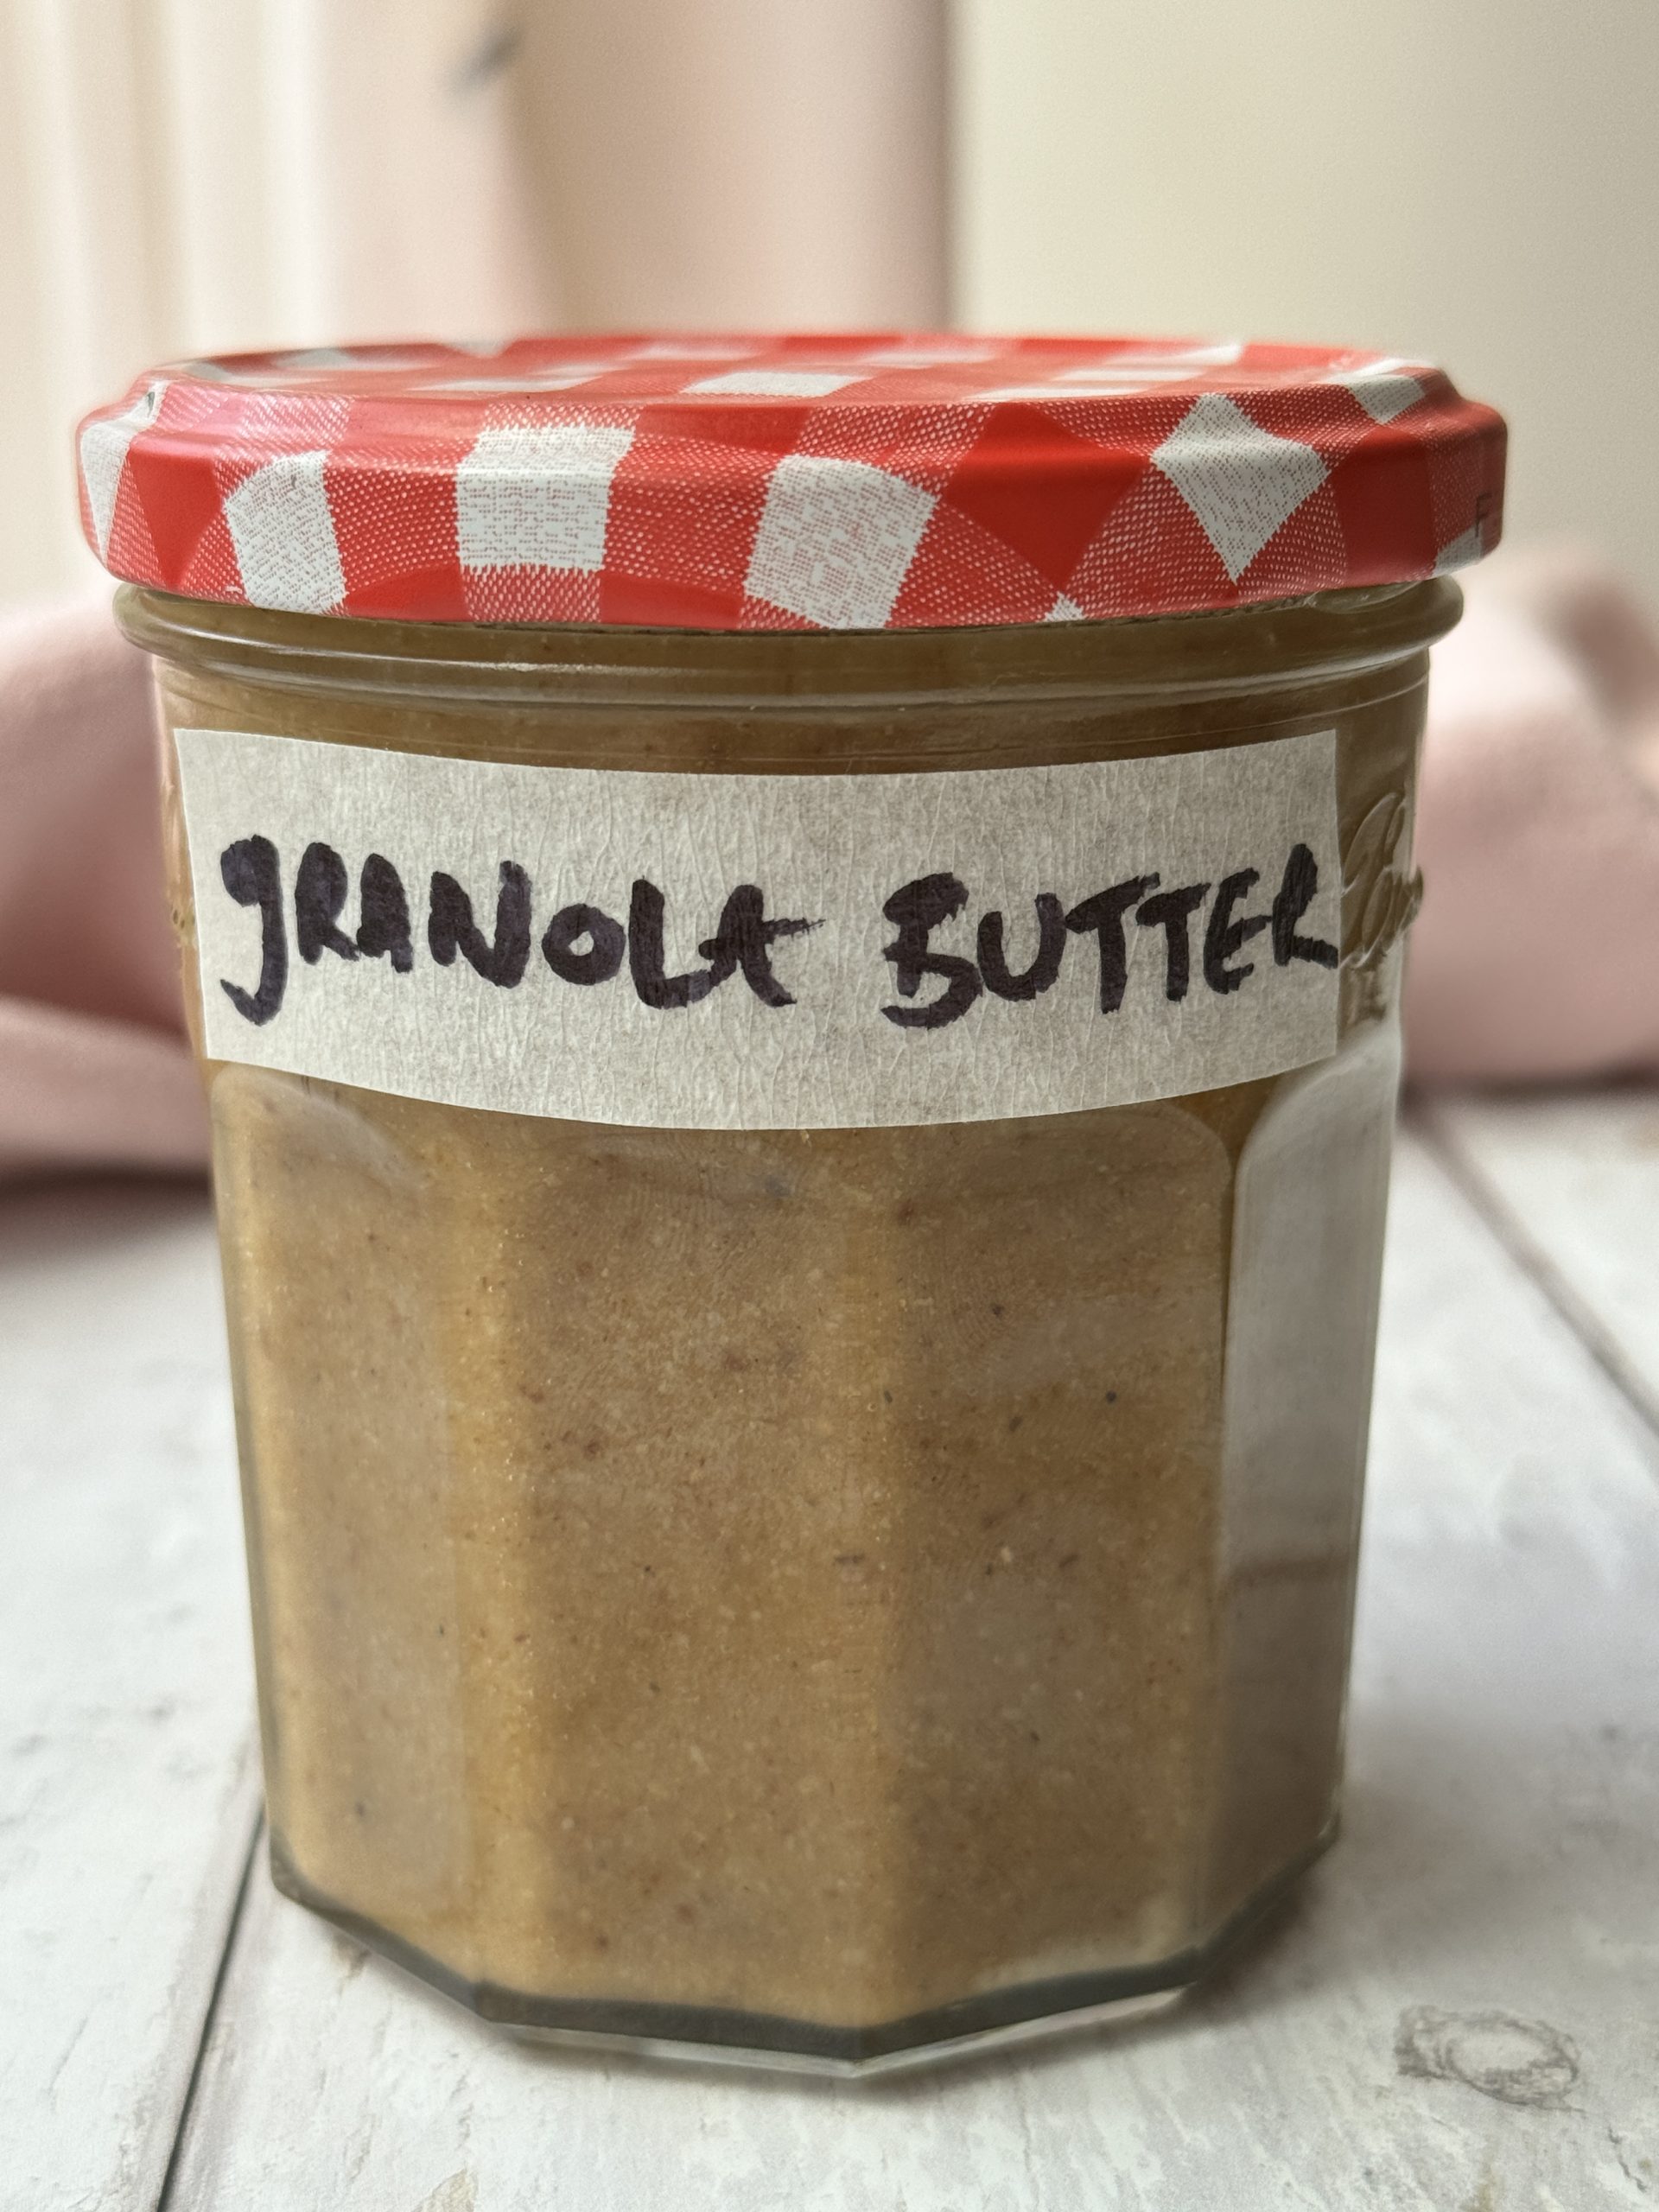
[[606, 945], [382, 926], [1296, 894], [646, 959], [1172, 911], [320, 889], [450, 927], [583, 945], [744, 940], [252, 875], [1104, 915], [1224, 936], [915, 910], [1030, 983]]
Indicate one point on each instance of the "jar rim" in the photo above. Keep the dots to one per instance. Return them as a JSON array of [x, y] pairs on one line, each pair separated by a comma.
[[1207, 653]]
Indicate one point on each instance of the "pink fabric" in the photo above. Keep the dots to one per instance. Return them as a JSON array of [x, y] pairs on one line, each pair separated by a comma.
[[94, 1070], [1534, 956]]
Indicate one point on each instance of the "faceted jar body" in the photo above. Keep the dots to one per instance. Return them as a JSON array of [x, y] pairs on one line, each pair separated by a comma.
[[821, 1593]]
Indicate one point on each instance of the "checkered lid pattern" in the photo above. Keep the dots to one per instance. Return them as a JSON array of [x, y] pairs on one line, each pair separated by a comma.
[[759, 483]]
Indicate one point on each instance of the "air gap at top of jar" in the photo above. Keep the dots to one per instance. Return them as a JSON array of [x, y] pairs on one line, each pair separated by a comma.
[[795, 947]]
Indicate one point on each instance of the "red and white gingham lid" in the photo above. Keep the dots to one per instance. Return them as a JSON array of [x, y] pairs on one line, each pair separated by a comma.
[[759, 483]]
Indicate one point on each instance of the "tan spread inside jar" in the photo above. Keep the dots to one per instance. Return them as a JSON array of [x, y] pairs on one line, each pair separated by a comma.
[[828, 1574]]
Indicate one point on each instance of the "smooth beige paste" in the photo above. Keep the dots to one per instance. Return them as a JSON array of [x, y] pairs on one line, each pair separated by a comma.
[[821, 1573]]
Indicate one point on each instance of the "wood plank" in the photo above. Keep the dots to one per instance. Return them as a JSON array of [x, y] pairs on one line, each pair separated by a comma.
[[1458, 2011], [1573, 1179], [128, 1789]]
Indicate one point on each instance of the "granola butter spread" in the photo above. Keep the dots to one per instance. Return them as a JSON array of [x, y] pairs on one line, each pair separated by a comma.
[[795, 946]]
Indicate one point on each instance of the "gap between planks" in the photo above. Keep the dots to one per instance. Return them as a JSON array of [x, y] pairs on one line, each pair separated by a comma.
[[251, 1859]]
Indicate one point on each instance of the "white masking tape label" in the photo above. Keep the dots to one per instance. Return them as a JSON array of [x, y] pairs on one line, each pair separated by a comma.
[[716, 951]]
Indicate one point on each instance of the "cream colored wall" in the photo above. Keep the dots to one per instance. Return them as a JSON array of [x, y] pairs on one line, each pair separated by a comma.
[[1476, 181]]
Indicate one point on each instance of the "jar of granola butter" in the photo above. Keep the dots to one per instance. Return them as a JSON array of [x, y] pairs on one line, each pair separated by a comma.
[[795, 946]]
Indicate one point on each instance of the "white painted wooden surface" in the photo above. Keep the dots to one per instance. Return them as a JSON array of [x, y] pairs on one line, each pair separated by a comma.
[[128, 1789], [1461, 2011], [1574, 1181]]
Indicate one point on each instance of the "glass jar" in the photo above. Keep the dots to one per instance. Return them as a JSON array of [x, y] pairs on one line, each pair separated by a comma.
[[834, 1573]]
